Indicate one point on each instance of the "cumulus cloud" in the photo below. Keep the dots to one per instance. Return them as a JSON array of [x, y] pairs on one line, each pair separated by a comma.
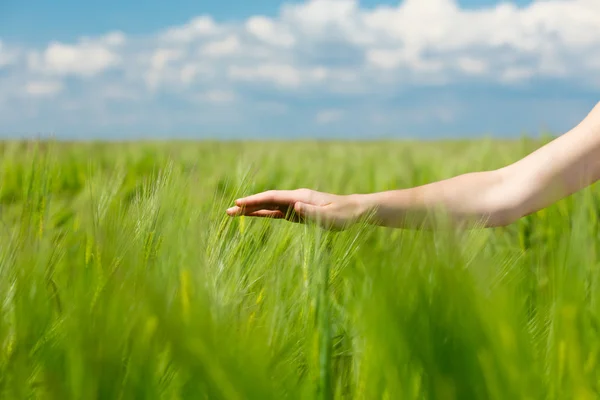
[[43, 88], [158, 63], [270, 32], [198, 28], [414, 41], [329, 116], [7, 56], [282, 74], [86, 58], [218, 96], [227, 46], [326, 48]]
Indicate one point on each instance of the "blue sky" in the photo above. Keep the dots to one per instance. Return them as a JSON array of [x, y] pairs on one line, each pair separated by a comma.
[[324, 68], [69, 19]]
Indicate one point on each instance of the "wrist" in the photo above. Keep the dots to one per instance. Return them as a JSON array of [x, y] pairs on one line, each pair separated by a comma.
[[387, 208], [364, 206]]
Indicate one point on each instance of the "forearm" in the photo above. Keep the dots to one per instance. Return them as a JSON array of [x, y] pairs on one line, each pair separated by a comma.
[[480, 198], [497, 198], [564, 166]]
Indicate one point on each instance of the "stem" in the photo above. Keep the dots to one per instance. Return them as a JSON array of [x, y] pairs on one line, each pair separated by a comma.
[[324, 328]]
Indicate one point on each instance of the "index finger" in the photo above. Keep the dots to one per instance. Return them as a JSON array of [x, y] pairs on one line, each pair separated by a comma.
[[269, 197]]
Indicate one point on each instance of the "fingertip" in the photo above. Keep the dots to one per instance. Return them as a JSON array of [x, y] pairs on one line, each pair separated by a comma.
[[232, 211]]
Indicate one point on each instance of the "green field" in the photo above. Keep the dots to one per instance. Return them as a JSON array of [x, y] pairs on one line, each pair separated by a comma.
[[121, 277]]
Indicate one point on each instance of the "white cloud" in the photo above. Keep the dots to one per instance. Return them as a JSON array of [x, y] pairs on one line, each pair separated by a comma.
[[384, 59], [281, 74], [320, 19], [329, 116], [162, 57], [416, 41], [470, 65], [187, 73], [514, 74], [86, 58], [7, 55], [43, 88], [229, 45], [267, 31], [219, 96], [271, 107], [115, 92], [197, 28], [159, 61], [114, 39]]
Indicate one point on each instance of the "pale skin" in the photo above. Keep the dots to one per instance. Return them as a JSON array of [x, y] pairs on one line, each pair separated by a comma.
[[494, 198]]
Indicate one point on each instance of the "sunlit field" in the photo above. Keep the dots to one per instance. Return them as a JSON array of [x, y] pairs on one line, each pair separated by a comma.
[[121, 277]]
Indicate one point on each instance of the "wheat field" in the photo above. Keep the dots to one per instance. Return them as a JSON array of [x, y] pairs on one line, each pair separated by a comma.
[[121, 277]]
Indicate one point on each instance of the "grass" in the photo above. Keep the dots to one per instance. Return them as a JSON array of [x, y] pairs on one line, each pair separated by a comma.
[[121, 277]]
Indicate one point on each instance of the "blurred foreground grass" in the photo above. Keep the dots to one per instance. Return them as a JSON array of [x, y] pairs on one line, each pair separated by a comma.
[[121, 277]]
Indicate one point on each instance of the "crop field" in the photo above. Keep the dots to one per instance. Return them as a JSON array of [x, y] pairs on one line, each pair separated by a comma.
[[121, 277]]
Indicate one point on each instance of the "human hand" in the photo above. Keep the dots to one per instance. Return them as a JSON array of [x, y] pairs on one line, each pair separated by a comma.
[[334, 212]]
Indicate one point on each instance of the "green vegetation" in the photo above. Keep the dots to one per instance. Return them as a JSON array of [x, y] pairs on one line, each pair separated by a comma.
[[121, 277]]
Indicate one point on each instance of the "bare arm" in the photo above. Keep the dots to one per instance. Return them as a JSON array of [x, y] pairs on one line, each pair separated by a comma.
[[564, 166]]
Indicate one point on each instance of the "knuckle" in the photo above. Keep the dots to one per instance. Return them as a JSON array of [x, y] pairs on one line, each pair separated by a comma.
[[304, 192], [305, 195]]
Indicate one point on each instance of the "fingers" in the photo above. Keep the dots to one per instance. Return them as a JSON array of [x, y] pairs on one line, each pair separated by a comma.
[[291, 217], [268, 197], [262, 213], [233, 211], [267, 214], [237, 211], [305, 210], [279, 204], [299, 212], [279, 197]]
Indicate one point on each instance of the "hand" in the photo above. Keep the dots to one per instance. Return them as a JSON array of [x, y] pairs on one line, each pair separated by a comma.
[[329, 211]]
